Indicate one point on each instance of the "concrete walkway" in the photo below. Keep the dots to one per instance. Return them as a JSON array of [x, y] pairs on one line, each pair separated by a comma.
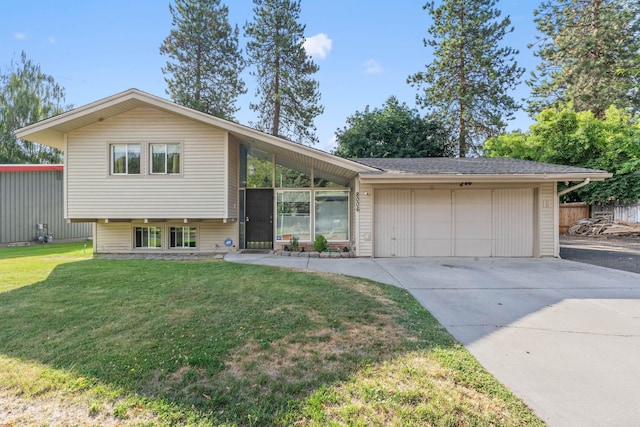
[[563, 336]]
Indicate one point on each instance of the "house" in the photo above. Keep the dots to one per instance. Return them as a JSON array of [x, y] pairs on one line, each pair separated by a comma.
[[152, 175], [31, 206]]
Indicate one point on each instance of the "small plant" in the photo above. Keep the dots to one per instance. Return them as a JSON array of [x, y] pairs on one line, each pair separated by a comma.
[[320, 244], [295, 243]]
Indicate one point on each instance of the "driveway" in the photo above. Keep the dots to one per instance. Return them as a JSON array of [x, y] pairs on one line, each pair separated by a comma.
[[618, 253], [563, 336]]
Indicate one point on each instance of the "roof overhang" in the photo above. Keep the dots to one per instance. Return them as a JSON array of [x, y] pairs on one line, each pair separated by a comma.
[[405, 178], [52, 131]]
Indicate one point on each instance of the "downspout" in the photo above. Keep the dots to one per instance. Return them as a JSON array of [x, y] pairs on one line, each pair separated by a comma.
[[575, 187]]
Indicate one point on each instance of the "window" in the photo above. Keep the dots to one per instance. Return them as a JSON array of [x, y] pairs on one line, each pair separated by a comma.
[[165, 158], [125, 159], [332, 215], [287, 177], [182, 237], [148, 237], [294, 215]]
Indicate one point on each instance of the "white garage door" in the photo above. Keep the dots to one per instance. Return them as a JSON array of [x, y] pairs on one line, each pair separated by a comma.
[[479, 223]]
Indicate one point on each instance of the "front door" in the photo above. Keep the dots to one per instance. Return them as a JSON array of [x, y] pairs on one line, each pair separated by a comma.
[[259, 218]]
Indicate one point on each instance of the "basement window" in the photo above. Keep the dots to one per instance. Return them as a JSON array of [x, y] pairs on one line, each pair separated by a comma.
[[148, 237]]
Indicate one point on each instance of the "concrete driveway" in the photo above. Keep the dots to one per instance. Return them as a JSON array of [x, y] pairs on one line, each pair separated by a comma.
[[563, 336]]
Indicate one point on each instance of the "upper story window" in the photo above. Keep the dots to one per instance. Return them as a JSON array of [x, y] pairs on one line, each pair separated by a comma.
[[165, 158], [125, 159]]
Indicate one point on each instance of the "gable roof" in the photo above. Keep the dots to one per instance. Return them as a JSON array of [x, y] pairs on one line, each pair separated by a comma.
[[52, 131], [480, 168]]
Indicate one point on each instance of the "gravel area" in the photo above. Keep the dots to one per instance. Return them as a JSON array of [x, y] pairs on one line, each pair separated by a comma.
[[611, 252]]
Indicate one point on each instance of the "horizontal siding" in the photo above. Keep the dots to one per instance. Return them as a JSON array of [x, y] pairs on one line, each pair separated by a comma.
[[35, 197], [198, 193], [548, 220], [365, 203], [118, 237], [233, 178]]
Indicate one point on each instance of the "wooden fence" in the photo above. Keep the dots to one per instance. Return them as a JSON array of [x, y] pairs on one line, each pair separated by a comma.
[[570, 212]]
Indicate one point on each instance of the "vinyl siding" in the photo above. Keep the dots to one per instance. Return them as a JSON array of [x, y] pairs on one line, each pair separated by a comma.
[[233, 178], [365, 232], [547, 211], [198, 192], [118, 237], [36, 197]]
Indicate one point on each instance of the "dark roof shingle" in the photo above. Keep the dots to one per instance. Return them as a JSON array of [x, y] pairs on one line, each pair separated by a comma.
[[469, 166]]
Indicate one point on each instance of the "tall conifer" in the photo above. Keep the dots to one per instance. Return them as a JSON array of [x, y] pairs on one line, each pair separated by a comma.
[[205, 62], [288, 96], [467, 84]]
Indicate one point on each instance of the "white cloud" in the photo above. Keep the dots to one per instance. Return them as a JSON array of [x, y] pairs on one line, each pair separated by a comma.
[[372, 67], [318, 46], [20, 36], [52, 40]]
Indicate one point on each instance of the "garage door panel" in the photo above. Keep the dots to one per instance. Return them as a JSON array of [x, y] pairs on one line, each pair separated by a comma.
[[473, 247], [394, 223], [432, 231], [433, 247], [472, 230], [513, 222]]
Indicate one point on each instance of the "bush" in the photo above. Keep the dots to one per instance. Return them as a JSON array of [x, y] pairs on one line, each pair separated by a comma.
[[320, 244], [295, 243]]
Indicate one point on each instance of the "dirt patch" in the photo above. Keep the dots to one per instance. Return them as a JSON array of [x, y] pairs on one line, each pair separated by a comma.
[[290, 358], [61, 410]]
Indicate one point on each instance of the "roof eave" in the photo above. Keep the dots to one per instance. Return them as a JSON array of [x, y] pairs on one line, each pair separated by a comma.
[[386, 178]]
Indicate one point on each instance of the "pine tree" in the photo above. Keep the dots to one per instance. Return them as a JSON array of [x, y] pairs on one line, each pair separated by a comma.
[[205, 63], [584, 45], [289, 96], [466, 86]]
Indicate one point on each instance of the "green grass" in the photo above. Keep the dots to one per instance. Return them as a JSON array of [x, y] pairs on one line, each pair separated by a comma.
[[213, 343]]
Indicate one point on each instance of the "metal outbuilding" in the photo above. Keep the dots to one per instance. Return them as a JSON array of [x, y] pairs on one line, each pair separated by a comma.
[[32, 203]]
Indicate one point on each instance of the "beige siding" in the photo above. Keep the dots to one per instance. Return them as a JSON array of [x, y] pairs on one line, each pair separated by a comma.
[[199, 192], [513, 216], [213, 235], [365, 232], [233, 177], [548, 220], [118, 237], [113, 238]]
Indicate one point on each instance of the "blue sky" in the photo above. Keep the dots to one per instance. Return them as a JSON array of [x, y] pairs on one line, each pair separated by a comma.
[[365, 49]]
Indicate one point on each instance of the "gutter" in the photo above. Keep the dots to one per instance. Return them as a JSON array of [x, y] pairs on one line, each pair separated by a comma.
[[575, 187]]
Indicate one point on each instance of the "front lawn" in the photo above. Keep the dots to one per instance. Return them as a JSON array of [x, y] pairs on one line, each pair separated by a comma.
[[147, 342]]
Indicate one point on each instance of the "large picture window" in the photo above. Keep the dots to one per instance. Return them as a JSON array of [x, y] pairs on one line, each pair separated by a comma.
[[148, 237], [165, 158], [332, 215], [125, 159], [294, 215], [182, 237]]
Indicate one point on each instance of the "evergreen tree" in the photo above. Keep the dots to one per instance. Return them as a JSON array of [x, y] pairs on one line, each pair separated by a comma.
[[584, 45], [205, 63], [289, 96], [395, 130], [27, 95], [466, 86]]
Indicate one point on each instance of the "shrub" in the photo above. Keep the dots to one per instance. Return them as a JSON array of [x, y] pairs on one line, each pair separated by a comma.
[[320, 244], [295, 243]]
